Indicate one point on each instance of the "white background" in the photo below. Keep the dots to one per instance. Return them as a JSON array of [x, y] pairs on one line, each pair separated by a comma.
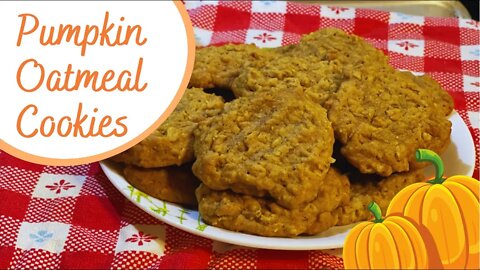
[[165, 59]]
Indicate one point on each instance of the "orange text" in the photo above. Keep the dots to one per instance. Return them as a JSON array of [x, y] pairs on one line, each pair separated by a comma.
[[108, 34], [77, 125], [71, 80]]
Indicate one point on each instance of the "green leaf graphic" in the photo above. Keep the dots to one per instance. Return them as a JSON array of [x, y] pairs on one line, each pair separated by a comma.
[[182, 213], [160, 210], [138, 195], [201, 226]]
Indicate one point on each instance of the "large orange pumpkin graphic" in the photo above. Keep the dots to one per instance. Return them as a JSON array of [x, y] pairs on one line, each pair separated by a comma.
[[449, 208], [385, 243]]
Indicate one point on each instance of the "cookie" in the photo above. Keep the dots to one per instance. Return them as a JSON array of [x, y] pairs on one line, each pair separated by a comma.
[[172, 142], [269, 143], [366, 188], [381, 119], [351, 51], [217, 66], [316, 65], [431, 91], [172, 184], [317, 79], [262, 216], [356, 57]]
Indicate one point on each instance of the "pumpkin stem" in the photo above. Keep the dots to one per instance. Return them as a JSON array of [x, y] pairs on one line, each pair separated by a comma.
[[432, 157], [376, 211]]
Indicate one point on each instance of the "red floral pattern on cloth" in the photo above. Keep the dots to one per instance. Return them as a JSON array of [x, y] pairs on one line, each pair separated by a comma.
[[140, 238], [338, 10], [265, 37], [93, 226], [406, 45], [474, 23], [61, 185]]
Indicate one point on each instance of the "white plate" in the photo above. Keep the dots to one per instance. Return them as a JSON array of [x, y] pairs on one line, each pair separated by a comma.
[[459, 158]]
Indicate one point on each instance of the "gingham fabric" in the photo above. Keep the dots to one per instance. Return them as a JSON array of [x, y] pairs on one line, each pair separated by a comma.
[[72, 217]]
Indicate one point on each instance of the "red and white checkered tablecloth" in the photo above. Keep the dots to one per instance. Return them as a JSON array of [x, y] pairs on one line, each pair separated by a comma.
[[72, 217]]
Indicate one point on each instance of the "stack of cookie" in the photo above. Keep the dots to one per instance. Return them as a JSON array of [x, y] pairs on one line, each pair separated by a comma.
[[315, 131], [264, 164], [160, 164]]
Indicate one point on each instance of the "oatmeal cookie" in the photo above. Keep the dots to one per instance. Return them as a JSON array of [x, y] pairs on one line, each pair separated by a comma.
[[269, 143], [431, 91], [217, 66], [357, 58], [382, 119], [262, 216], [172, 184], [327, 44], [365, 188], [317, 65], [316, 78], [172, 142]]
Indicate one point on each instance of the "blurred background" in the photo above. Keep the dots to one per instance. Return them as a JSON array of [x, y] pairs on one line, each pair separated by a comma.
[[440, 8], [472, 7]]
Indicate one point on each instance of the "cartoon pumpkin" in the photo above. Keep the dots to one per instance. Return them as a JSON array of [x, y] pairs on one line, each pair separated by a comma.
[[384, 243], [449, 208]]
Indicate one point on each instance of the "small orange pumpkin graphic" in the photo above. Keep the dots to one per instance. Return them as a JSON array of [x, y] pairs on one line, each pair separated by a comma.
[[449, 209], [392, 242]]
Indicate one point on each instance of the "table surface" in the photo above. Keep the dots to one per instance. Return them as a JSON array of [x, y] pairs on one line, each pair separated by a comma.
[[72, 217]]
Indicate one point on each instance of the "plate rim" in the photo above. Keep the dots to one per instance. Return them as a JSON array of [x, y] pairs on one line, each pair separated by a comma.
[[261, 241]]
